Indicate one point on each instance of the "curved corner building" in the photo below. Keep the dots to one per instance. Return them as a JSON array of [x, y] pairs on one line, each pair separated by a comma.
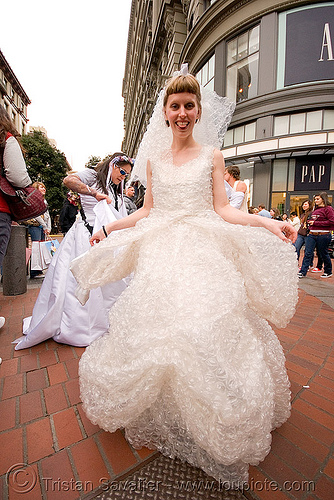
[[274, 58]]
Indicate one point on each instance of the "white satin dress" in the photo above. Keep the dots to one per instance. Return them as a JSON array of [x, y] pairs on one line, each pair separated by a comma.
[[190, 364], [57, 313]]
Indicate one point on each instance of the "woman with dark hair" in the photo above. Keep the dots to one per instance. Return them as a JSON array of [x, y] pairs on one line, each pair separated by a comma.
[[15, 169], [275, 214], [307, 208], [57, 313], [321, 224]]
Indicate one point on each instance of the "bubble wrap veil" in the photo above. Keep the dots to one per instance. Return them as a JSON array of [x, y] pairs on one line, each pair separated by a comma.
[[216, 115]]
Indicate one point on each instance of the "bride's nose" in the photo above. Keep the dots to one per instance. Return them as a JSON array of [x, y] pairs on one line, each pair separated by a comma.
[[182, 111]]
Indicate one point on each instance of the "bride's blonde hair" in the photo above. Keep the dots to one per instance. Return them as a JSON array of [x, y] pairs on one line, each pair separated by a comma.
[[183, 83]]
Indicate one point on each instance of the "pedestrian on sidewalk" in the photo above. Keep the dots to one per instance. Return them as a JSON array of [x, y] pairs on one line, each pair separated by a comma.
[[129, 200], [57, 313], [307, 208], [190, 366], [69, 211], [16, 172], [39, 228], [321, 224], [263, 212]]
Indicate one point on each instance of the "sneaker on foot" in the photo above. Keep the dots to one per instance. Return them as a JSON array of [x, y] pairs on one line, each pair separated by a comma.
[[300, 275], [316, 270], [326, 275], [2, 321]]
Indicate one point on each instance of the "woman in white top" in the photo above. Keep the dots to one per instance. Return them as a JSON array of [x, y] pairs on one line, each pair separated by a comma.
[[57, 313]]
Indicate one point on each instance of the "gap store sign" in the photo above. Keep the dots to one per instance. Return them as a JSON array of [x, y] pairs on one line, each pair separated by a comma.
[[312, 173], [306, 45]]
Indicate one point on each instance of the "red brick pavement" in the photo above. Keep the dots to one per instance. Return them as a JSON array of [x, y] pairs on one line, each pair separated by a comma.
[[46, 437]]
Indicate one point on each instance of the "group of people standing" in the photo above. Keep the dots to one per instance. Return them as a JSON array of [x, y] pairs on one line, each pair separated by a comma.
[[315, 232], [314, 226]]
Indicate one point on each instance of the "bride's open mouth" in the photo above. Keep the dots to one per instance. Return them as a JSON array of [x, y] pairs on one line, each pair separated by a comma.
[[182, 125]]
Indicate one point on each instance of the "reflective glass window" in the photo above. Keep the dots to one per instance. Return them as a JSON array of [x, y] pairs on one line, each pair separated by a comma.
[[291, 180], [250, 132], [278, 200], [280, 173], [211, 68], [211, 84], [228, 139], [281, 125], [297, 123], [243, 46], [206, 75], [232, 51], [329, 119], [239, 135], [254, 38], [313, 120], [242, 66], [247, 74]]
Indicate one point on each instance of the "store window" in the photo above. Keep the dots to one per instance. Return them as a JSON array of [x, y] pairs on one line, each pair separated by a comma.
[[313, 121], [280, 175], [329, 119], [322, 119], [206, 75], [242, 66], [278, 200], [280, 179], [239, 135]]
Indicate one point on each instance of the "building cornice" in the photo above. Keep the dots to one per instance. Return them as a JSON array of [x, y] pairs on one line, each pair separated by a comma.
[[216, 15], [286, 100], [128, 48], [10, 75]]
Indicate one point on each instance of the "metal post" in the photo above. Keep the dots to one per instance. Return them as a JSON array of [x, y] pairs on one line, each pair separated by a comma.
[[14, 269]]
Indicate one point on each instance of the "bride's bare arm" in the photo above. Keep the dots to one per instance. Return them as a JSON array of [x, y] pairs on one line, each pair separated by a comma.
[[132, 219], [284, 230]]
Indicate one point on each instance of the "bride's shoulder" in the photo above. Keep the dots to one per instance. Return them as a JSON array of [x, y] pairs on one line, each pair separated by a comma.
[[218, 159]]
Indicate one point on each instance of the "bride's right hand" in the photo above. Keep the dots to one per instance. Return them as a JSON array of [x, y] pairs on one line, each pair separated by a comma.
[[97, 237]]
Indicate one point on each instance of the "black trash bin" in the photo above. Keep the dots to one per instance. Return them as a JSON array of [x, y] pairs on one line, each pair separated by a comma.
[[14, 269]]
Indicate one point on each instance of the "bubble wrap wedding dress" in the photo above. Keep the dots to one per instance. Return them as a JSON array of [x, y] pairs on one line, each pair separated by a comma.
[[190, 364]]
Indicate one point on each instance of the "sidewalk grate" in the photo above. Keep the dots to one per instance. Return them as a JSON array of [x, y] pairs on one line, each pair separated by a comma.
[[166, 478]]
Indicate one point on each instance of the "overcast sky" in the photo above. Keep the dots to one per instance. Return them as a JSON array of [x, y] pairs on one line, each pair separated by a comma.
[[69, 57]]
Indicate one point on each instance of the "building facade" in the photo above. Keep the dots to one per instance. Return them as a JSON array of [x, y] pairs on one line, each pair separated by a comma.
[[274, 58], [12, 96]]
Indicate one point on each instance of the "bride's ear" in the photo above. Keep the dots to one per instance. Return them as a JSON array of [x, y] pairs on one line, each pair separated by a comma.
[[166, 121]]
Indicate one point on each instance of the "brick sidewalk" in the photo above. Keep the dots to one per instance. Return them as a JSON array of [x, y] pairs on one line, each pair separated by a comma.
[[45, 436]]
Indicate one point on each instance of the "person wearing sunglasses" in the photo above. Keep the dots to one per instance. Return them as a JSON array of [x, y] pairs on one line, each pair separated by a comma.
[[57, 313]]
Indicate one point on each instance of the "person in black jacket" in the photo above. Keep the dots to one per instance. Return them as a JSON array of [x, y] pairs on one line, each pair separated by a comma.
[[69, 211]]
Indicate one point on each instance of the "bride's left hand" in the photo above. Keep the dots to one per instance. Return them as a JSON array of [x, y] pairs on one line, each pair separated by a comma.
[[284, 230]]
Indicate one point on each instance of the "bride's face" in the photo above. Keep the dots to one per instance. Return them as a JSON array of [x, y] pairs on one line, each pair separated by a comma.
[[182, 111]]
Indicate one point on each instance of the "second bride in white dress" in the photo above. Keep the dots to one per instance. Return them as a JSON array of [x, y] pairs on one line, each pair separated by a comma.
[[57, 313]]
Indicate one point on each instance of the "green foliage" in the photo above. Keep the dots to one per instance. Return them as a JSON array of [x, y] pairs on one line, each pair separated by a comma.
[[92, 161], [46, 164]]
